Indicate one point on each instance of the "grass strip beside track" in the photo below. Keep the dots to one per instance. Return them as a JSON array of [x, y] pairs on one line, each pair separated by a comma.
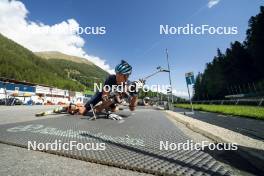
[[236, 110]]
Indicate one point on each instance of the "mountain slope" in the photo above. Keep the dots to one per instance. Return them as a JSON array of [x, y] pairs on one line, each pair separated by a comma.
[[19, 63], [75, 68], [59, 55]]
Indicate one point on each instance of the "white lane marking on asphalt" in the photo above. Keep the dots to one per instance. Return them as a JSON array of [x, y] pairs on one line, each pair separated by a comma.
[[220, 115], [45, 130], [121, 121], [203, 112]]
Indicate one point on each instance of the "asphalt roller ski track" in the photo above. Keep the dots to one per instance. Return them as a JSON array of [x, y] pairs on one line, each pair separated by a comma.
[[132, 144]]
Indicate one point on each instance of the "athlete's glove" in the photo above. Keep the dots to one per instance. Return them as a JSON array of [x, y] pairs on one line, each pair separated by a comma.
[[114, 117], [105, 98], [136, 85], [140, 83]]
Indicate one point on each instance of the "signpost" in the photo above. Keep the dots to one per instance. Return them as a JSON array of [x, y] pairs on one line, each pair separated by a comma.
[[189, 81]]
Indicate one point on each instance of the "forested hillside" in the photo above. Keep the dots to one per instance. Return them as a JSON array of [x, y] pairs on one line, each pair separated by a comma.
[[75, 68], [17, 62]]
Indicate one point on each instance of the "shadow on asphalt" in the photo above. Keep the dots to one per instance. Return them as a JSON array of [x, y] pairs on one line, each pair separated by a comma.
[[238, 160], [103, 115], [229, 157]]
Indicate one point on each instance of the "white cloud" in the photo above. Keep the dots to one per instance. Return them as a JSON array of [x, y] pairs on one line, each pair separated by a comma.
[[37, 36], [212, 3]]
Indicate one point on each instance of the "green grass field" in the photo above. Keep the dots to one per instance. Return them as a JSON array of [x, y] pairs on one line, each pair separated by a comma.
[[236, 110]]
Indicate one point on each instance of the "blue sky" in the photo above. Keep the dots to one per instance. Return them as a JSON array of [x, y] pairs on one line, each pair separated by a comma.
[[133, 31]]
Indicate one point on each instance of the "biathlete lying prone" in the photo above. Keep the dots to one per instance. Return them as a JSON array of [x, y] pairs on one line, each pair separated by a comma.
[[109, 99]]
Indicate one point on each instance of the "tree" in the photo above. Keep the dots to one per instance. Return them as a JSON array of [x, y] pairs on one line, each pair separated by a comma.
[[255, 42], [241, 64]]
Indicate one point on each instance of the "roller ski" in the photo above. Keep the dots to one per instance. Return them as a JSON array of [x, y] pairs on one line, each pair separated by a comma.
[[71, 109], [57, 110]]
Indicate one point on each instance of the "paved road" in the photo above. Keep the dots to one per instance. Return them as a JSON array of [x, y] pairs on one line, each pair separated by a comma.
[[38, 163], [249, 127], [19, 161]]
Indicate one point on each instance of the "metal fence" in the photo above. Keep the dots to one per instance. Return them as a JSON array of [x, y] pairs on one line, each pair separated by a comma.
[[252, 101]]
